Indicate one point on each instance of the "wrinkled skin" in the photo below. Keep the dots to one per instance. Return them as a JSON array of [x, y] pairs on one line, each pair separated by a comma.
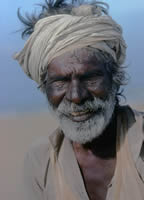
[[76, 78]]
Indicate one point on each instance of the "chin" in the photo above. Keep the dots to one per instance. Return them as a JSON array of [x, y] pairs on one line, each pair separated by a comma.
[[83, 132], [87, 130]]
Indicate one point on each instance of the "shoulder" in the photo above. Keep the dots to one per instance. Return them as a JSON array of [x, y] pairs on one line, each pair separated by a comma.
[[132, 114], [37, 158], [140, 161], [36, 161], [135, 119], [136, 136], [139, 115], [39, 149]]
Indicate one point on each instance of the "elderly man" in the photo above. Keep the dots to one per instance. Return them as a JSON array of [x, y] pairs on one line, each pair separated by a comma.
[[75, 54]]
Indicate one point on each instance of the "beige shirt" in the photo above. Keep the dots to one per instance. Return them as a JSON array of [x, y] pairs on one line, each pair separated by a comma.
[[42, 177]]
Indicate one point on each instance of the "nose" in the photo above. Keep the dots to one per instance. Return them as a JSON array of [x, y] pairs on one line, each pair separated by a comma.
[[77, 93]]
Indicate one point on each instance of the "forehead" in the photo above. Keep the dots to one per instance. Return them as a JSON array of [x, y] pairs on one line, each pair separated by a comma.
[[77, 61]]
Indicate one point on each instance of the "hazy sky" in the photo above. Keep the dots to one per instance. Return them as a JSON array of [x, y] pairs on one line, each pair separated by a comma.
[[19, 93]]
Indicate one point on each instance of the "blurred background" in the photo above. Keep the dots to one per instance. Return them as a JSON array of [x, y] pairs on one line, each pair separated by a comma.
[[23, 109]]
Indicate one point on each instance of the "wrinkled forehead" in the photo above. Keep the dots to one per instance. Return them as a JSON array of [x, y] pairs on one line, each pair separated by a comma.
[[77, 61], [82, 56]]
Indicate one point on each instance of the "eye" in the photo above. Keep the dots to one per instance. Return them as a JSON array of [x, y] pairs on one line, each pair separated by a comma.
[[93, 80], [59, 84]]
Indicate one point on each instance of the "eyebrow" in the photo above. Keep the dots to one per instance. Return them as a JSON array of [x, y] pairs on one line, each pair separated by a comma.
[[88, 74], [91, 73], [59, 78]]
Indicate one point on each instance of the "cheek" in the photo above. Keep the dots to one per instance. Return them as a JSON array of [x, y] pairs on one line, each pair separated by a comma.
[[54, 95]]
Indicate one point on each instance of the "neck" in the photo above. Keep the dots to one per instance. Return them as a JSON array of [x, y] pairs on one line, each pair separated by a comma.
[[105, 145]]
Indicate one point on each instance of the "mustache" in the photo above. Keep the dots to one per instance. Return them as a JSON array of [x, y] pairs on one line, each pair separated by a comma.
[[67, 107]]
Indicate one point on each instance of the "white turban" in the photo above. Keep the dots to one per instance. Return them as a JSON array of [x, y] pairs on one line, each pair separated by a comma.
[[57, 34]]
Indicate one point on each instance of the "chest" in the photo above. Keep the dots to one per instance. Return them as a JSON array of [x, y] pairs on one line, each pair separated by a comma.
[[97, 175]]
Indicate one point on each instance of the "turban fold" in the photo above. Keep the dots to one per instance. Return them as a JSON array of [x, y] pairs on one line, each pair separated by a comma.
[[58, 34]]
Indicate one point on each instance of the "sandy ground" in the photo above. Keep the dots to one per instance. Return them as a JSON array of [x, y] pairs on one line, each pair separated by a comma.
[[17, 133]]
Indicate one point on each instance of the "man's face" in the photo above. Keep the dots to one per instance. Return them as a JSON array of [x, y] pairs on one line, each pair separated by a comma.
[[80, 94]]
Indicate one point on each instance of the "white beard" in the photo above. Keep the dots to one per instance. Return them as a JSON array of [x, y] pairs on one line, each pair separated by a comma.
[[86, 131]]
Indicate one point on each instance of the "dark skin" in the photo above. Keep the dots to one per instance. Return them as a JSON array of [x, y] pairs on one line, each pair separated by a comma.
[[76, 77]]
